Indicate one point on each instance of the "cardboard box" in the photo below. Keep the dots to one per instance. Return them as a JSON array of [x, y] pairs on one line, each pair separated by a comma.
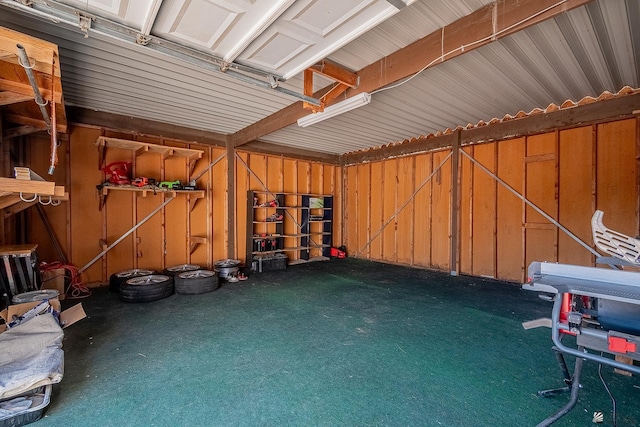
[[55, 279], [67, 317]]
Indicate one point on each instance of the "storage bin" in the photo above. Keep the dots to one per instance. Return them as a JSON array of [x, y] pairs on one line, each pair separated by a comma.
[[271, 262]]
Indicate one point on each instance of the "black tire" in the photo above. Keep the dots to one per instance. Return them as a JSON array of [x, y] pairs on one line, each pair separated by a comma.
[[146, 288], [196, 282], [180, 268], [116, 279]]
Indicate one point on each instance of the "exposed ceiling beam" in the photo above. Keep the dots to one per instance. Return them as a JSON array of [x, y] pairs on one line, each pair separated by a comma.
[[30, 120], [297, 153], [26, 89], [489, 23], [19, 131], [8, 98], [138, 126]]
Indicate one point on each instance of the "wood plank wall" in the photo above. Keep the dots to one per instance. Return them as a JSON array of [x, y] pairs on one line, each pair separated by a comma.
[[567, 173], [163, 240], [404, 220]]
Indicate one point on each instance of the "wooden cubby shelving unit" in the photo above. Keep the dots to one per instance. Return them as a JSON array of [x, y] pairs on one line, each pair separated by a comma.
[[304, 233]]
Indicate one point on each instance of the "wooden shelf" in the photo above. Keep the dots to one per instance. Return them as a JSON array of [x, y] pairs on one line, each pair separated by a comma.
[[18, 194], [139, 148], [144, 191], [199, 194], [25, 186]]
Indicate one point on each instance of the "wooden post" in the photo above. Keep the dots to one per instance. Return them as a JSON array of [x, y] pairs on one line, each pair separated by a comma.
[[455, 204], [231, 200]]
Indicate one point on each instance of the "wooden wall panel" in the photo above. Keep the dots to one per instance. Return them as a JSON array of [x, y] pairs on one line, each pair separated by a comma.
[[510, 211], [338, 206], [465, 237], [390, 188], [39, 152], [290, 176], [304, 177], [148, 238], [617, 172], [422, 212], [540, 189], [351, 210], [275, 178], [200, 212], [441, 187], [576, 193], [176, 212], [363, 208], [484, 212], [290, 185], [328, 180], [86, 220], [376, 215], [219, 208], [258, 166], [242, 186], [405, 231], [317, 178]]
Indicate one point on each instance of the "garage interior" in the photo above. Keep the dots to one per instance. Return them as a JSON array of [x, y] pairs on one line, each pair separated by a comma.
[[462, 141]]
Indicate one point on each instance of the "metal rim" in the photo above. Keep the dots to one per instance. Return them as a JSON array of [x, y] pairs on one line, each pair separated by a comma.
[[134, 272], [183, 267], [147, 280], [227, 263], [196, 274], [35, 296]]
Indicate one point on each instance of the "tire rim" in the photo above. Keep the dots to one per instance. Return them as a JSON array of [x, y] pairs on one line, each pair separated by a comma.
[[183, 267], [226, 263], [196, 274], [134, 272], [35, 296], [147, 280]]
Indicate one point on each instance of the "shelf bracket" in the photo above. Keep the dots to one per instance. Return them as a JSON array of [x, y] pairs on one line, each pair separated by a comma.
[[101, 155], [194, 241]]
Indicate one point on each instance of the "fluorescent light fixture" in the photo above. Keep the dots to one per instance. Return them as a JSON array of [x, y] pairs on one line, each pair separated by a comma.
[[336, 109]]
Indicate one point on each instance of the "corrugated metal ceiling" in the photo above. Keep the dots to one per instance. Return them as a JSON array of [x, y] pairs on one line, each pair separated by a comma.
[[579, 53], [567, 57]]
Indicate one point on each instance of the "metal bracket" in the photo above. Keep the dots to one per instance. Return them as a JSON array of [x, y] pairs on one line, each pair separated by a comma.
[[84, 22], [273, 82], [142, 39]]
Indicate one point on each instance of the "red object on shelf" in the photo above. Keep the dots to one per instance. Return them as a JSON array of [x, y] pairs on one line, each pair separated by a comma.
[[118, 173]]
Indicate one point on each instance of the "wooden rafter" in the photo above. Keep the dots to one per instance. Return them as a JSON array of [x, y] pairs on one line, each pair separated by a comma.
[[344, 80], [17, 96], [491, 22]]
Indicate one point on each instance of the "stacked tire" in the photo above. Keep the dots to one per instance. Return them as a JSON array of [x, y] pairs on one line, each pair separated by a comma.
[[152, 287], [116, 279], [180, 268], [196, 282]]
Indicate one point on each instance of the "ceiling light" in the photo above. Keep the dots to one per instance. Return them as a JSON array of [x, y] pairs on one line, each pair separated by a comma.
[[336, 109]]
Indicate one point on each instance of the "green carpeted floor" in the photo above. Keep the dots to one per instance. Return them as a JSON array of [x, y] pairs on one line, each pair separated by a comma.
[[338, 343]]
